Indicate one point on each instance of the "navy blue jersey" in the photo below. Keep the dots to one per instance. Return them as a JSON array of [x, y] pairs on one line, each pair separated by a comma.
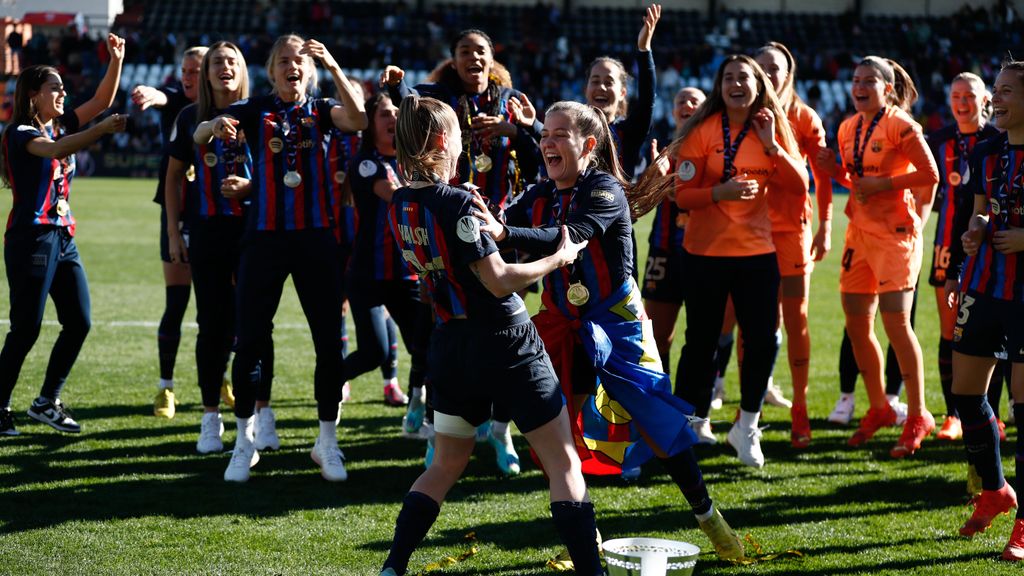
[[997, 174], [595, 210], [176, 100], [375, 251], [669, 227], [39, 184], [630, 132], [287, 137], [212, 163], [439, 238], [951, 151]]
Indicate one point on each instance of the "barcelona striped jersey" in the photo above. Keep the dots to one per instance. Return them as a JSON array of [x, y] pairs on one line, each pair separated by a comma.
[[951, 151], [39, 184], [439, 238], [375, 248], [287, 137], [669, 227], [212, 162], [341, 148], [997, 174]]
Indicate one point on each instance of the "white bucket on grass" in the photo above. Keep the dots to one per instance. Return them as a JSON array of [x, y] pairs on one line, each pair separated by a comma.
[[649, 557]]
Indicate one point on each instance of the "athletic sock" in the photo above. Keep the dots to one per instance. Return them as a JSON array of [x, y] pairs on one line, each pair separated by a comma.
[[418, 514], [995, 385], [848, 369], [685, 472], [946, 374], [577, 527], [868, 354], [389, 369], [798, 345], [981, 439], [165, 384], [168, 334]]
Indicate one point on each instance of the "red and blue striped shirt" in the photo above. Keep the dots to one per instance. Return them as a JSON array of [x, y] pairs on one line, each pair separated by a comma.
[[375, 250], [945, 144]]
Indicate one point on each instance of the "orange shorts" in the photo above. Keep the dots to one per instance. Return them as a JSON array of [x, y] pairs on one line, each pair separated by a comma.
[[793, 250], [878, 264]]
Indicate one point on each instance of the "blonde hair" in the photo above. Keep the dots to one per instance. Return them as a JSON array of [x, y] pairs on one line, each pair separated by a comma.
[[652, 188], [206, 102], [314, 78], [194, 52], [421, 121], [786, 93], [979, 84]]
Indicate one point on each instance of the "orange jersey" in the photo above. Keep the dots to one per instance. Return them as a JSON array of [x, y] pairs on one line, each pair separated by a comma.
[[896, 149], [795, 214], [726, 228]]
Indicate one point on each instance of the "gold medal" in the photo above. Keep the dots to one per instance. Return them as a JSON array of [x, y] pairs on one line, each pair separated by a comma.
[[190, 174], [954, 179], [210, 159], [577, 294], [63, 207], [276, 145], [681, 219], [483, 163], [292, 179], [339, 177]]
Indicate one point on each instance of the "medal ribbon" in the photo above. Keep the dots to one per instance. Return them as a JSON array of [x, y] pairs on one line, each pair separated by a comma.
[[1006, 187], [291, 122], [561, 212], [858, 149], [62, 183], [730, 148]]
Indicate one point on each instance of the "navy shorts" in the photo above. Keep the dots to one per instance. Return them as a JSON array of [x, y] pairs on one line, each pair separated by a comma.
[[470, 368], [165, 243], [663, 276], [989, 327]]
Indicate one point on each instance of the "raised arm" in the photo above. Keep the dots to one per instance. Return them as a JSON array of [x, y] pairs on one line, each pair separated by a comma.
[[107, 89], [351, 116], [503, 279], [72, 143]]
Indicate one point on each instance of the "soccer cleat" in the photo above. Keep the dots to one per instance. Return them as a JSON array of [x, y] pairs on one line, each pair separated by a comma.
[[266, 430], [915, 430], [987, 506], [702, 429], [428, 458], [747, 442], [7, 423], [1014, 551], [562, 562], [773, 395], [388, 572], [331, 460], [163, 406], [1002, 430], [900, 408], [211, 429], [800, 435], [718, 394], [243, 457], [227, 392], [54, 413], [872, 422], [393, 395], [413, 419], [843, 412], [346, 392], [951, 429], [973, 481], [631, 474], [483, 432], [505, 453], [727, 543]]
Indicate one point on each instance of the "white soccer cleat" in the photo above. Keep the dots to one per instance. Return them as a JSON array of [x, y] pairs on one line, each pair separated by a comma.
[[704, 434], [718, 394], [243, 457], [211, 429], [899, 408], [331, 460], [843, 412], [747, 442], [266, 430], [773, 395]]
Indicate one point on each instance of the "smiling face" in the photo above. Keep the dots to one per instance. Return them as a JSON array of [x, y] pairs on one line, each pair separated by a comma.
[[292, 71], [49, 99], [739, 86], [966, 101], [869, 89], [1008, 103], [473, 60], [225, 73], [775, 67], [566, 152], [384, 120], [605, 90], [686, 103], [190, 67]]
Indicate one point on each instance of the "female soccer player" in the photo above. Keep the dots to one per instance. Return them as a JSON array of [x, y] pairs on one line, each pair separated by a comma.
[[483, 328], [606, 90], [380, 285], [500, 157], [795, 247], [593, 321], [970, 103], [38, 165], [990, 303], [212, 211], [177, 274], [892, 176], [289, 232]]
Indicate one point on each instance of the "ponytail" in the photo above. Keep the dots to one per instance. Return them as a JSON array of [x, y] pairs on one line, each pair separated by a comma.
[[904, 92], [421, 121]]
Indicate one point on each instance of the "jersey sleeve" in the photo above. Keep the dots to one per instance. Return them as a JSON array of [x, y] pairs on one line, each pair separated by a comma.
[[690, 164], [909, 139], [471, 244], [324, 107]]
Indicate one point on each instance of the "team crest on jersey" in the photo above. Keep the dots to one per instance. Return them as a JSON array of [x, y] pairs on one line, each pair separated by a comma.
[[687, 170], [308, 121], [210, 159], [876, 146], [468, 229], [339, 177], [367, 168]]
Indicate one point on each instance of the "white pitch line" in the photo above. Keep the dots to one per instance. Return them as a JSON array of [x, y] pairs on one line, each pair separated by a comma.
[[152, 324]]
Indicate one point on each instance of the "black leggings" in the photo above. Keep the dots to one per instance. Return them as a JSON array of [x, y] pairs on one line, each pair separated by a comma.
[[753, 283]]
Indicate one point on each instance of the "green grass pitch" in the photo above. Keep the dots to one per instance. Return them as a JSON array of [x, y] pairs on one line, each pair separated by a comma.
[[130, 495]]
